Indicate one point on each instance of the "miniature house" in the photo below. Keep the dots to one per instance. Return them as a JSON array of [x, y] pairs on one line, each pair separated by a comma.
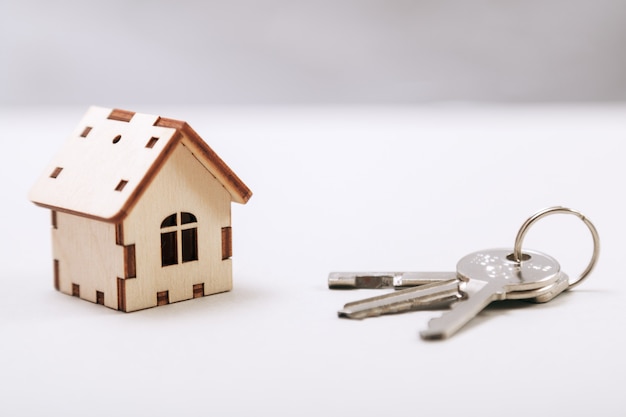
[[140, 212]]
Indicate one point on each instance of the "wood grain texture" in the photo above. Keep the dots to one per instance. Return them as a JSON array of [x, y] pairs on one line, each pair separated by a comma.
[[118, 177], [162, 298], [238, 190], [89, 182], [87, 256], [227, 242], [123, 261], [55, 273], [121, 115], [130, 262], [182, 185], [198, 290], [121, 294], [103, 173]]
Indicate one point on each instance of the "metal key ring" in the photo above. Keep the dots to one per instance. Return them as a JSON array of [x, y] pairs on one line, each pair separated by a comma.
[[517, 252]]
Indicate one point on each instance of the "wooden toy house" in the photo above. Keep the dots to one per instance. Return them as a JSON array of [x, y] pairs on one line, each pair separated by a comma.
[[140, 212]]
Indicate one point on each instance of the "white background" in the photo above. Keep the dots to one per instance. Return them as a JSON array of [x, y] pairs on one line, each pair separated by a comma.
[[400, 188], [383, 149]]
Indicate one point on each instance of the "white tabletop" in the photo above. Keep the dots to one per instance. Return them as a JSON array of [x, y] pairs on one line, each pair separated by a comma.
[[339, 189]]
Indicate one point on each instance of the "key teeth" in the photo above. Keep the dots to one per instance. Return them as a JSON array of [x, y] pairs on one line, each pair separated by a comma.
[[430, 333]]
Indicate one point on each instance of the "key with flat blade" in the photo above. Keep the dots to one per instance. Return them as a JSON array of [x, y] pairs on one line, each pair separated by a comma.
[[403, 280], [380, 280], [490, 275], [440, 295], [433, 295]]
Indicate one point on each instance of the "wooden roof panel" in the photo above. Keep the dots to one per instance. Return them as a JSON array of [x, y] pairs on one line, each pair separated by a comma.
[[110, 159]]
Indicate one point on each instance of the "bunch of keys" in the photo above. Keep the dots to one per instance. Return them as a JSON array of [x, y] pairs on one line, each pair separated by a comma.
[[480, 278]]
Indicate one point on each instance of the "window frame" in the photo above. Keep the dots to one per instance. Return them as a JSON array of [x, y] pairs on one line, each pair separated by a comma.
[[179, 239]]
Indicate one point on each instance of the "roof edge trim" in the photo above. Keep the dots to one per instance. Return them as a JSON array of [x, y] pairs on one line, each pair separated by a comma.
[[239, 192]]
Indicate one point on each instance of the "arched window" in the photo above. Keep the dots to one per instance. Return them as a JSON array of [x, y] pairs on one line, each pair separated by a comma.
[[184, 225]]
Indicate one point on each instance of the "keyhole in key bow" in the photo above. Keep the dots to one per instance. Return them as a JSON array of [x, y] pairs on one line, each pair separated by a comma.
[[525, 257]]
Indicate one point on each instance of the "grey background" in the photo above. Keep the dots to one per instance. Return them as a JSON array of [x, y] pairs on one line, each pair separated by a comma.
[[322, 52]]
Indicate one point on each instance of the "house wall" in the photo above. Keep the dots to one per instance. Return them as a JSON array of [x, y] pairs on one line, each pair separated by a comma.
[[87, 256], [182, 185]]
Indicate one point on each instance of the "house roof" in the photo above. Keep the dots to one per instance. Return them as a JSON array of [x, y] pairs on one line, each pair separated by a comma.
[[112, 156]]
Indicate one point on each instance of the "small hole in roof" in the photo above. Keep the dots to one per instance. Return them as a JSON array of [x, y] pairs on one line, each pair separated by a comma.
[[85, 132], [56, 172], [117, 138], [153, 140], [121, 185]]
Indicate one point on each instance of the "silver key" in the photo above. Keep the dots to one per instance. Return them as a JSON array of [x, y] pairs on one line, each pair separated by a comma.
[[399, 280], [435, 290], [380, 280], [491, 274], [543, 294], [552, 291], [439, 295], [433, 295]]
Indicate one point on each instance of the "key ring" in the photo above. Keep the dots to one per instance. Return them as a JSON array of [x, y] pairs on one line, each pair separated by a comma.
[[517, 251]]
